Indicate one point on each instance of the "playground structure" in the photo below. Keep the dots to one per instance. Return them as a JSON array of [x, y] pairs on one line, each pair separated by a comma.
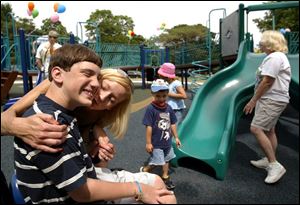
[[208, 131], [124, 56]]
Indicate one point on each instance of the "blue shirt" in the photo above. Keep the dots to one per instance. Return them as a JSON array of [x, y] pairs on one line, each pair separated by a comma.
[[48, 177], [160, 119], [175, 103]]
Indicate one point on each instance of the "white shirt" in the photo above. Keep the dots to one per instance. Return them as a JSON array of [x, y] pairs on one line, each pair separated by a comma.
[[277, 66], [43, 53]]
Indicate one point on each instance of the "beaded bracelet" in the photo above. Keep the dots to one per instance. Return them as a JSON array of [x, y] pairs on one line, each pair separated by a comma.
[[139, 195]]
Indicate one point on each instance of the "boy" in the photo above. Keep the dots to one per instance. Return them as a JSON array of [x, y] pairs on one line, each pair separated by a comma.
[[160, 122], [69, 176]]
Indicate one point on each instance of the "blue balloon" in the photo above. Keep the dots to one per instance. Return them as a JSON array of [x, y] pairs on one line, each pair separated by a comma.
[[282, 30], [61, 8]]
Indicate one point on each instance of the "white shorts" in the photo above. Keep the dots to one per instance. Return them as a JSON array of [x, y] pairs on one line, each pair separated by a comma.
[[125, 176]]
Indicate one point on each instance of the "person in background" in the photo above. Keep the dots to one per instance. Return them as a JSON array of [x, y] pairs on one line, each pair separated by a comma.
[[177, 93], [160, 122], [45, 51], [270, 99]]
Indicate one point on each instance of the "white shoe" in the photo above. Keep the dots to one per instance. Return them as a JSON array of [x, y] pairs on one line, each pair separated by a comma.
[[275, 172], [262, 163]]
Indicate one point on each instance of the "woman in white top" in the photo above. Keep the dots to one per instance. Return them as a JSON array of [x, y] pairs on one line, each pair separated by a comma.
[[270, 98]]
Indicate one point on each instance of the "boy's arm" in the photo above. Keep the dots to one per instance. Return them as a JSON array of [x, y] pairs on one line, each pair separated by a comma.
[[149, 146], [175, 135], [96, 190]]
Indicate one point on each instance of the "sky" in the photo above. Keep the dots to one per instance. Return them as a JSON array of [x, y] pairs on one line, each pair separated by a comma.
[[147, 15]]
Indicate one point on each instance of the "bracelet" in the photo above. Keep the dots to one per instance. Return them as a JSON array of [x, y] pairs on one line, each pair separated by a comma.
[[139, 195]]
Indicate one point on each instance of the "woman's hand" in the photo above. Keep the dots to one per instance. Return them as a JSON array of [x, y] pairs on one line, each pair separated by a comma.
[[41, 131], [106, 149], [249, 107]]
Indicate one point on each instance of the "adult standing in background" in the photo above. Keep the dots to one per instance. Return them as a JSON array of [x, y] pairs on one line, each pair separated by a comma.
[[44, 52], [270, 99]]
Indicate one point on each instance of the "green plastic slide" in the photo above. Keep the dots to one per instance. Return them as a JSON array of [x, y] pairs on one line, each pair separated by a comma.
[[209, 129]]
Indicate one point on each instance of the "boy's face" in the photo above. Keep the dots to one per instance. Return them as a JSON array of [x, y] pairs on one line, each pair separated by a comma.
[[110, 94], [160, 96], [80, 83]]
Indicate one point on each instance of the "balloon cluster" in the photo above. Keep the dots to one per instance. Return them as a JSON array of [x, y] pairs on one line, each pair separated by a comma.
[[283, 31], [58, 8], [162, 27], [31, 11], [130, 34]]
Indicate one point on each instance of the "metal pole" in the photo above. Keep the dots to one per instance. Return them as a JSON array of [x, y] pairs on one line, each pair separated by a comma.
[[23, 63], [209, 37]]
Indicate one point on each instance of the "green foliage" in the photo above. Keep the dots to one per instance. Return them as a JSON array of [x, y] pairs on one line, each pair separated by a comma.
[[284, 18], [5, 10], [183, 33], [112, 29], [49, 25]]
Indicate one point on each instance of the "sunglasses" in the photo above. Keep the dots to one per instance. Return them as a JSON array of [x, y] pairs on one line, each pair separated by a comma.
[[53, 37]]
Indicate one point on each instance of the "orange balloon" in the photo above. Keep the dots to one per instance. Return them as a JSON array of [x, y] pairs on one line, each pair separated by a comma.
[[55, 7], [30, 6]]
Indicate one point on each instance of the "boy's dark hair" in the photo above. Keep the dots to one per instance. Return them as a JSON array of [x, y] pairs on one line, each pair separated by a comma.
[[69, 54]]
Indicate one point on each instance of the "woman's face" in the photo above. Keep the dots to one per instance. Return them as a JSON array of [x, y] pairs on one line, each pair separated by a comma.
[[110, 94]]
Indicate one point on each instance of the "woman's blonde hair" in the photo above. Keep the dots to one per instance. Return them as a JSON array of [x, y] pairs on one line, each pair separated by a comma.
[[116, 119], [274, 41]]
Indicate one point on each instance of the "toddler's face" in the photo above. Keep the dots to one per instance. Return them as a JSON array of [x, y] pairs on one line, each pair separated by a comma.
[[160, 96]]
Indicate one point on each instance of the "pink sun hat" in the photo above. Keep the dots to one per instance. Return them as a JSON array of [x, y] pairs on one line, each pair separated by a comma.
[[167, 70]]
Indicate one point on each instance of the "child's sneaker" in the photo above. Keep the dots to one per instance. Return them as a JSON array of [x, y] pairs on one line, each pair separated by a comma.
[[169, 184], [275, 172], [142, 169], [262, 163]]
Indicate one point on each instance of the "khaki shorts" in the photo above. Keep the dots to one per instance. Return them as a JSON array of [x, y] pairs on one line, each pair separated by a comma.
[[125, 176], [267, 112]]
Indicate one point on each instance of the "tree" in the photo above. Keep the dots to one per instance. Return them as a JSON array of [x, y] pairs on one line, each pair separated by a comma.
[[183, 33], [112, 29], [284, 18], [5, 10], [49, 25]]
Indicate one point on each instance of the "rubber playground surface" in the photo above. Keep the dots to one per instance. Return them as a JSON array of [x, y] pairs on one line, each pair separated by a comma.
[[195, 183]]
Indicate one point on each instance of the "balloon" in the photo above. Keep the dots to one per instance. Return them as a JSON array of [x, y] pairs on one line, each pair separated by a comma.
[[55, 6], [61, 8], [129, 32], [282, 30], [29, 12], [35, 13], [132, 33], [30, 6], [54, 18]]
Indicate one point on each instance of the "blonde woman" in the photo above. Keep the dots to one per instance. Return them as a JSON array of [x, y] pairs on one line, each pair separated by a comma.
[[270, 99]]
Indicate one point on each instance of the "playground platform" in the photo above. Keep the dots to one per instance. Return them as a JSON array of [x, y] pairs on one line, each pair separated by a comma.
[[243, 183]]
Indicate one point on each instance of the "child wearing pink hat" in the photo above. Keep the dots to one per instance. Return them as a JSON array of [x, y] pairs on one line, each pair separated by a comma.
[[177, 93]]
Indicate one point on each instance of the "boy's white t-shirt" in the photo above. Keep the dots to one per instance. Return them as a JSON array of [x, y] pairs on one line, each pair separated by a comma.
[[276, 65]]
